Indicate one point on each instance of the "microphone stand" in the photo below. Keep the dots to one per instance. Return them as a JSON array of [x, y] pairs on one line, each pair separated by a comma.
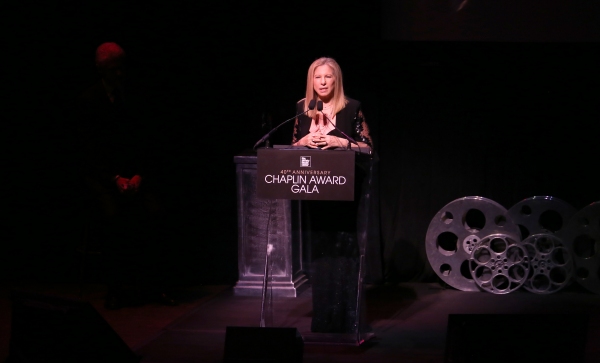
[[350, 140], [266, 309], [311, 106], [267, 124]]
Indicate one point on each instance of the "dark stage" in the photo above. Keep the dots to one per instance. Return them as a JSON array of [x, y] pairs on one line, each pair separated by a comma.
[[462, 98], [410, 322]]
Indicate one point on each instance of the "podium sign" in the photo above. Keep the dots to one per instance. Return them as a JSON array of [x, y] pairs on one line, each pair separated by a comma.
[[305, 174]]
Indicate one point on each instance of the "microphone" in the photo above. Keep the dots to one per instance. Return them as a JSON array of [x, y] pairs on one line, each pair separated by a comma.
[[350, 140], [311, 106]]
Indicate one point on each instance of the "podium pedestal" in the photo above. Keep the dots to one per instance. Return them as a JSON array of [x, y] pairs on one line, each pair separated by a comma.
[[261, 220]]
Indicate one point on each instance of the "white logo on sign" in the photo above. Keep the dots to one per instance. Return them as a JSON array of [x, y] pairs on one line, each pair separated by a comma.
[[305, 161]]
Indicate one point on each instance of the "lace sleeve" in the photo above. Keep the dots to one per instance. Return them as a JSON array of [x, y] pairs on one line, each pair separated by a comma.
[[361, 129], [295, 135]]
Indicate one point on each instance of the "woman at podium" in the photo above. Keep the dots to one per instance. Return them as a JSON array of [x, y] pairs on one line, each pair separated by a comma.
[[339, 117], [335, 234]]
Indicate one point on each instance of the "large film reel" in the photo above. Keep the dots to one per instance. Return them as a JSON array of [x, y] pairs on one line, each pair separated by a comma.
[[540, 214], [551, 263], [582, 233], [456, 230], [499, 264]]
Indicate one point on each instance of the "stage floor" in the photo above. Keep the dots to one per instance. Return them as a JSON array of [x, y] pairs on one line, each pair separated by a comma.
[[409, 321]]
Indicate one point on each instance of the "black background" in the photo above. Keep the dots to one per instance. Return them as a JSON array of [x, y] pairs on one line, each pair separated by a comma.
[[505, 116]]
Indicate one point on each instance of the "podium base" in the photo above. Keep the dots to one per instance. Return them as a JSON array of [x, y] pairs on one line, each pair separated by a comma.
[[246, 287], [337, 339]]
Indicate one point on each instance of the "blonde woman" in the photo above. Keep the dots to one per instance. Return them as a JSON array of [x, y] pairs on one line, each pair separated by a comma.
[[315, 129], [334, 244]]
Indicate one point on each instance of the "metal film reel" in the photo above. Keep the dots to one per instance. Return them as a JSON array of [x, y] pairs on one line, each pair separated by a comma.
[[456, 230], [551, 263], [540, 214], [499, 264], [582, 234]]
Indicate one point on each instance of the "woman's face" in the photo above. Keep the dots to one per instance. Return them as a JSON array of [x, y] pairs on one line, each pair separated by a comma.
[[324, 82]]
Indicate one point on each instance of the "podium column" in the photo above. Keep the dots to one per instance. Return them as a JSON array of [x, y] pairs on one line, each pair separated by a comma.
[[261, 221]]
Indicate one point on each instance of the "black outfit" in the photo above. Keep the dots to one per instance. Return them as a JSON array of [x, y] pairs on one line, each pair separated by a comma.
[[114, 141], [350, 120], [112, 136], [336, 249]]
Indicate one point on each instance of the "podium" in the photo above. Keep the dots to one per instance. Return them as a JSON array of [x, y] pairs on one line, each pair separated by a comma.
[[254, 214], [280, 190]]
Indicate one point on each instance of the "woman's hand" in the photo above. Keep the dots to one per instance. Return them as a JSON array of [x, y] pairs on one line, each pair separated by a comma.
[[330, 142], [311, 140], [317, 140]]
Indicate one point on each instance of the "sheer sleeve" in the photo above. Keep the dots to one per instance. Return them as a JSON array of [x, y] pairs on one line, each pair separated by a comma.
[[361, 129], [296, 133]]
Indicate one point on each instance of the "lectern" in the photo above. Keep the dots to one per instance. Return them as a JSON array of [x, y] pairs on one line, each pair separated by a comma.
[[282, 195], [261, 220]]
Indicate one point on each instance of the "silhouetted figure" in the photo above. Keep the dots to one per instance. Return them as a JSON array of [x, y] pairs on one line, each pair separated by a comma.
[[117, 169]]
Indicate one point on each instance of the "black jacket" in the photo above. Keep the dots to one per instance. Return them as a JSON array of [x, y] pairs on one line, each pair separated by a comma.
[[350, 120]]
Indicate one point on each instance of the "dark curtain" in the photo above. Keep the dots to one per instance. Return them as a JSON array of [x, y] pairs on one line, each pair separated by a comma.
[[502, 120]]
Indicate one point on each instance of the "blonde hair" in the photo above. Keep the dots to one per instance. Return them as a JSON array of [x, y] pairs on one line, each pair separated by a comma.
[[339, 99]]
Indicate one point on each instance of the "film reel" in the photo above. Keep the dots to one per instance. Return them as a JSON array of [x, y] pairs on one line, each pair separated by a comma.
[[456, 230], [551, 263], [582, 234], [540, 214], [499, 264]]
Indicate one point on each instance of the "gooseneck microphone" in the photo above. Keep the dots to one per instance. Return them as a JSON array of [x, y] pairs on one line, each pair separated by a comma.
[[311, 106], [350, 140]]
